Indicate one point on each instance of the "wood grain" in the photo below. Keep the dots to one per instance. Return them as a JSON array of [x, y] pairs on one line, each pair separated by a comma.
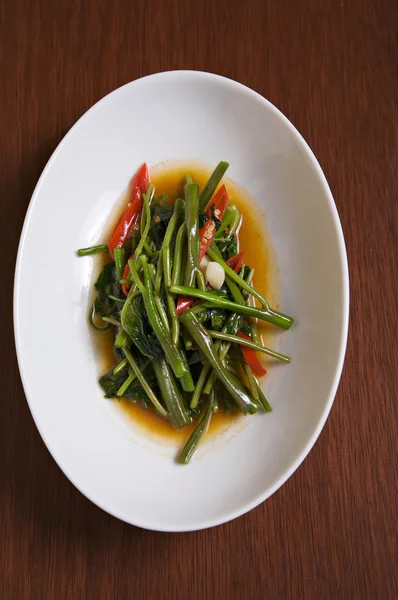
[[331, 67]]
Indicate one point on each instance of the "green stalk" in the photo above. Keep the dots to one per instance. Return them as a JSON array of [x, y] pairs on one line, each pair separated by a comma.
[[178, 250], [92, 250], [187, 340], [130, 280], [120, 262], [232, 326], [162, 312], [159, 277], [235, 339], [199, 386], [235, 291], [250, 275], [165, 260], [171, 394], [211, 185], [153, 316], [269, 315], [165, 256], [126, 384], [146, 215], [230, 220], [192, 228], [242, 283], [252, 382], [175, 324], [197, 434], [149, 195], [200, 280], [253, 322], [120, 366], [91, 316], [148, 250], [203, 342], [264, 402], [116, 299], [123, 388], [144, 383], [186, 380], [250, 301], [112, 321], [122, 340], [152, 272]]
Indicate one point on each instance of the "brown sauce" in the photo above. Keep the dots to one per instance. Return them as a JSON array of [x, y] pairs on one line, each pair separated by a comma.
[[254, 241]]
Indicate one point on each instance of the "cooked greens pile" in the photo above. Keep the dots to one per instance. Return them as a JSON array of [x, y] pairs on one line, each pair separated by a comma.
[[182, 307]]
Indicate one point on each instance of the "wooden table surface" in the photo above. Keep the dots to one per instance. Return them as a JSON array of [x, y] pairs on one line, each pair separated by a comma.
[[332, 67]]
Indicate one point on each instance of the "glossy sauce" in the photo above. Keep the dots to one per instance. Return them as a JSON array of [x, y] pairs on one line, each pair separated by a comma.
[[253, 240]]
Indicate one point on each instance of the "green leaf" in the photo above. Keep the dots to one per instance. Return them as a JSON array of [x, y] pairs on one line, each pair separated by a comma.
[[105, 277], [137, 327], [227, 247], [110, 383], [135, 392], [246, 329], [194, 357], [218, 317], [234, 324], [160, 220], [203, 218]]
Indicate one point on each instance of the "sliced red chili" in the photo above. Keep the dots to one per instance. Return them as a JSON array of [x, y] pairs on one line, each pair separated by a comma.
[[183, 303], [206, 234], [251, 357], [220, 203], [236, 261], [124, 228]]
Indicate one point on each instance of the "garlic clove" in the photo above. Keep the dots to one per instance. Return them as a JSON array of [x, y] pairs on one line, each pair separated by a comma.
[[203, 263], [215, 275]]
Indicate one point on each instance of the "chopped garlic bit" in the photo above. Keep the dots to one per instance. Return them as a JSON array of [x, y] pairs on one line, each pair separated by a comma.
[[215, 275]]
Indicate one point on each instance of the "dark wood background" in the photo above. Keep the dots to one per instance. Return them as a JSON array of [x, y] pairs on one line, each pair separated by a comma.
[[332, 67]]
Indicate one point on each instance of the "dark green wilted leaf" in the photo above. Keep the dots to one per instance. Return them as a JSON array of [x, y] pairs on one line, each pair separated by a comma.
[[218, 317], [105, 277], [194, 357], [227, 247], [136, 325], [110, 383], [203, 218]]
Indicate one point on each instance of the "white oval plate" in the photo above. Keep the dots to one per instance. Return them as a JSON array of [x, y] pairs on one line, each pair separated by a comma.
[[178, 115]]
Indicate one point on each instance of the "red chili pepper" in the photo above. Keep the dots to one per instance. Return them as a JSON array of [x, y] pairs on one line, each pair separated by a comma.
[[124, 228], [206, 234], [220, 202], [235, 262], [125, 287], [251, 357], [183, 303]]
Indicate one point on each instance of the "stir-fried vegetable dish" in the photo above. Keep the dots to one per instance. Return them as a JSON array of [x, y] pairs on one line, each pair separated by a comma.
[[179, 299]]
